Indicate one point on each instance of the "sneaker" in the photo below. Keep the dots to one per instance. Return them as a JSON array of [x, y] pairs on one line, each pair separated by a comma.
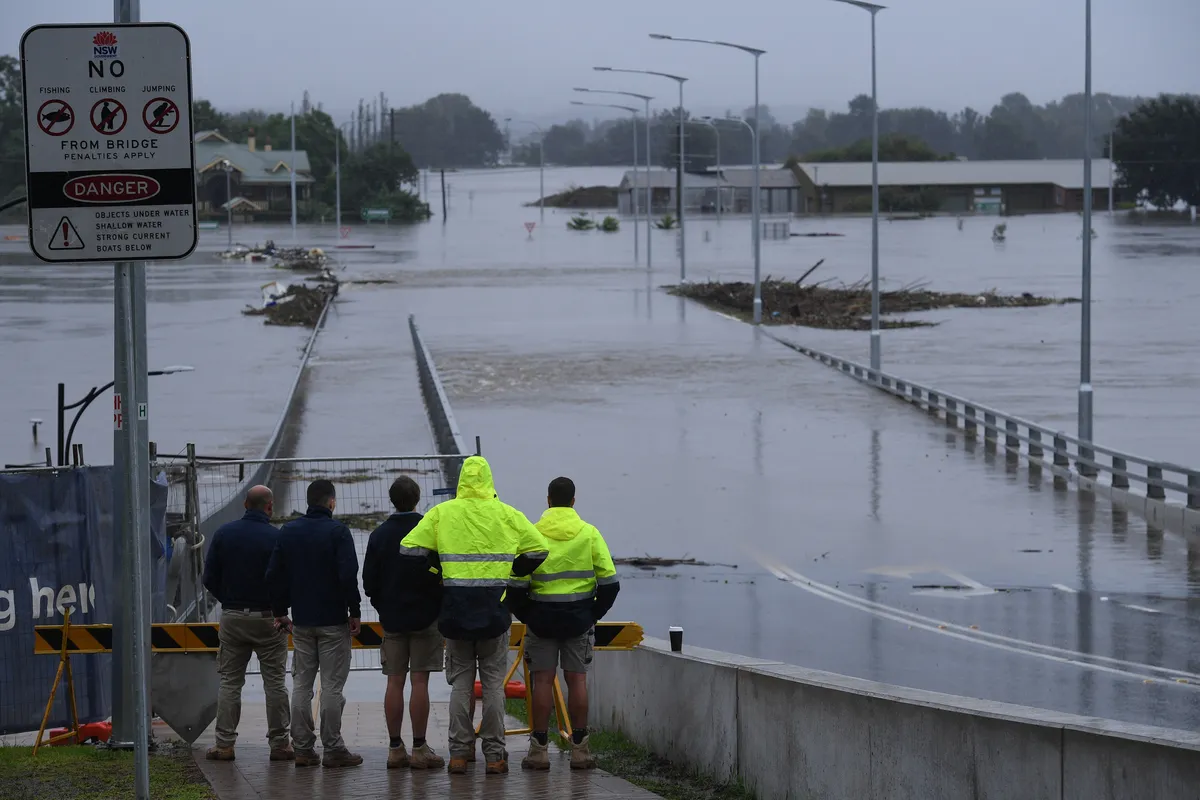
[[307, 758], [216, 753], [283, 753], [581, 755], [424, 757], [397, 757], [497, 768], [341, 758], [539, 756], [458, 766]]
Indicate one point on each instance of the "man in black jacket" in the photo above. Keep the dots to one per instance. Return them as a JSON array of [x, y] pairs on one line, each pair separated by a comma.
[[407, 593], [314, 572], [235, 571]]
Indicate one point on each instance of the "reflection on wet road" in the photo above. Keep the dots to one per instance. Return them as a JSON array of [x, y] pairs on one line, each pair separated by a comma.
[[869, 539]]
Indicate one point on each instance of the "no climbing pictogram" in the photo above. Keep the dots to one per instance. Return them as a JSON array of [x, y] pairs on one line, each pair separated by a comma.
[[108, 116], [160, 115], [55, 118]]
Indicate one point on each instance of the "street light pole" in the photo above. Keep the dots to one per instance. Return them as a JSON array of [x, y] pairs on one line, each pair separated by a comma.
[[708, 123], [876, 344], [682, 175], [228, 199], [337, 173], [645, 98], [1085, 338], [541, 163], [633, 194], [756, 199]]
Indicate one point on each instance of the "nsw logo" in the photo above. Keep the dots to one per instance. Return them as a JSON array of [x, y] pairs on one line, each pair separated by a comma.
[[104, 45]]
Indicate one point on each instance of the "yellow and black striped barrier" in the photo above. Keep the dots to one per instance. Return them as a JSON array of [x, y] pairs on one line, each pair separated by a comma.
[[203, 637]]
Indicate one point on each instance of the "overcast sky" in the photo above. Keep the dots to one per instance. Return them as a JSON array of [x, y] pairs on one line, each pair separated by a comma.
[[524, 56]]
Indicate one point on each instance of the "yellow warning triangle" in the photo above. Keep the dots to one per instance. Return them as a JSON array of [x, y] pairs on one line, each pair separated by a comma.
[[65, 237]]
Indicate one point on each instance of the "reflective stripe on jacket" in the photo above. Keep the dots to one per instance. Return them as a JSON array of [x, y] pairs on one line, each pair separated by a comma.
[[475, 539], [574, 587]]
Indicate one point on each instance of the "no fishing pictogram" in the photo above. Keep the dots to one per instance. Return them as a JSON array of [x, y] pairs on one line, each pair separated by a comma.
[[55, 118], [108, 116]]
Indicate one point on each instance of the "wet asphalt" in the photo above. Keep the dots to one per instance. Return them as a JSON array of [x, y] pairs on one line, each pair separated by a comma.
[[867, 538]]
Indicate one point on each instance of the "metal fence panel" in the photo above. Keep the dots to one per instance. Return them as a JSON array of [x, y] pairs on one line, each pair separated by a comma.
[[362, 497]]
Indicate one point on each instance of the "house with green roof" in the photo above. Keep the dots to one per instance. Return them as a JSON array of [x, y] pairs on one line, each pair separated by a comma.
[[260, 179]]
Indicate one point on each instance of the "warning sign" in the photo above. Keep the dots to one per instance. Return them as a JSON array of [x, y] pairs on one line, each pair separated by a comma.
[[109, 117], [110, 162], [160, 115], [529, 226], [55, 118], [65, 237]]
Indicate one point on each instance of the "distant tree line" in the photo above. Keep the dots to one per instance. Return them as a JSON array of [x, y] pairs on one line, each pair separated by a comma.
[[1014, 129]]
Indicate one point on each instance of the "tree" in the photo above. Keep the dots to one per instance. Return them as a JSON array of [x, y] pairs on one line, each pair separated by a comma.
[[12, 124], [1158, 150], [892, 147], [374, 178], [449, 131]]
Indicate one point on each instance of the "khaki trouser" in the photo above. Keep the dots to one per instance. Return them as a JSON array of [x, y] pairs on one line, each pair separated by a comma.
[[491, 655], [326, 649], [242, 635]]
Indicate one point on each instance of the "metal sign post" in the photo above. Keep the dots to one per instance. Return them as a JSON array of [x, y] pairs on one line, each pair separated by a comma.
[[111, 175]]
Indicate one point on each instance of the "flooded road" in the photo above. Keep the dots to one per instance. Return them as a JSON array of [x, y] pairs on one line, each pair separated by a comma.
[[868, 540]]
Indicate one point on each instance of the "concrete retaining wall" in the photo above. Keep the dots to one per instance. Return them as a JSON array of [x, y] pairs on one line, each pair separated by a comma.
[[790, 732], [441, 418]]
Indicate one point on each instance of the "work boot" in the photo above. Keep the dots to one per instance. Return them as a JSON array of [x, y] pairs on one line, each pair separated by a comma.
[[218, 753], [458, 766], [397, 757], [307, 758], [424, 757], [581, 755], [340, 758], [539, 756], [497, 767], [283, 753]]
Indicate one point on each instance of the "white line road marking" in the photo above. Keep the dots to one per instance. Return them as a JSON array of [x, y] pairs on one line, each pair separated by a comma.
[[1019, 646], [1142, 608], [1063, 588]]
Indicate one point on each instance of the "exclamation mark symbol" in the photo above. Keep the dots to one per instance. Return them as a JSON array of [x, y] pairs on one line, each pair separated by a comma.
[[66, 226]]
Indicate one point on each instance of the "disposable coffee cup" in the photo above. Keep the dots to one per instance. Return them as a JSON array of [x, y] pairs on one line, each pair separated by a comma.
[[676, 639]]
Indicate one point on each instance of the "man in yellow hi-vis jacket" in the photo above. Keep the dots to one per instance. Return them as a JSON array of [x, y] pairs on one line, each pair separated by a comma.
[[560, 603], [477, 542]]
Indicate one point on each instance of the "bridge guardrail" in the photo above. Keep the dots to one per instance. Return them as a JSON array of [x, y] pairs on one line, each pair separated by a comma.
[[1037, 443], [446, 434]]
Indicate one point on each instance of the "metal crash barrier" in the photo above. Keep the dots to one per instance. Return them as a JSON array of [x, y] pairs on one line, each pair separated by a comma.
[[184, 678]]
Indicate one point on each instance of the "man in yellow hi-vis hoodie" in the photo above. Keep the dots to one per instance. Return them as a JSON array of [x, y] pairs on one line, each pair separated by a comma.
[[478, 543], [560, 603]]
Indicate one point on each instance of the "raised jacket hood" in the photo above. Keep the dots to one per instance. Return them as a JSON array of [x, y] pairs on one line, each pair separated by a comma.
[[561, 524], [475, 480]]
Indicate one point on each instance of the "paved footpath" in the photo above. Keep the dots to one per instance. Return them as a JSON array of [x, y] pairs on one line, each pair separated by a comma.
[[253, 776]]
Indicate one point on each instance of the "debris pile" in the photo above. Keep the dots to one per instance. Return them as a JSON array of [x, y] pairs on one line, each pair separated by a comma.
[[298, 305], [582, 197], [306, 258], [654, 562], [844, 307]]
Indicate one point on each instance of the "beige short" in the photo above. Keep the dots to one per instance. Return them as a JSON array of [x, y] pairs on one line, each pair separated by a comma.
[[421, 651], [546, 655]]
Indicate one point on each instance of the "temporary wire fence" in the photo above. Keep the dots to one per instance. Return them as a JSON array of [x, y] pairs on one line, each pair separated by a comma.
[[362, 486]]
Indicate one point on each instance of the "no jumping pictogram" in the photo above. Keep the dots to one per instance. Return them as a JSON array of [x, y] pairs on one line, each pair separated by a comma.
[[108, 116], [55, 118], [160, 115]]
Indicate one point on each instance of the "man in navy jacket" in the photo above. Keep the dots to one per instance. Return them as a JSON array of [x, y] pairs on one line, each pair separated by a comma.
[[235, 571], [314, 572]]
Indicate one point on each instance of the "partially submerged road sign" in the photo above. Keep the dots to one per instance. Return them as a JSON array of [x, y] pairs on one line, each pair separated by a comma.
[[120, 186]]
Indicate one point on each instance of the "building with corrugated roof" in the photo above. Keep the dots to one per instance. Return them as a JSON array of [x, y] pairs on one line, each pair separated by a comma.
[[260, 179], [954, 187]]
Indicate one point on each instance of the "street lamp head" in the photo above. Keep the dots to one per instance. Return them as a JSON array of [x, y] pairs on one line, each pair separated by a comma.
[[874, 8], [603, 69], [171, 370], [661, 36]]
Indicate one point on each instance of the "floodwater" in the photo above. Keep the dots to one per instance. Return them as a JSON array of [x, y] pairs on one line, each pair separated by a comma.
[[867, 538]]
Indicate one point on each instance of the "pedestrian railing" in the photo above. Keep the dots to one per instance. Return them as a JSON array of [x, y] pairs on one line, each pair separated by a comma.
[[446, 435], [1159, 480]]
